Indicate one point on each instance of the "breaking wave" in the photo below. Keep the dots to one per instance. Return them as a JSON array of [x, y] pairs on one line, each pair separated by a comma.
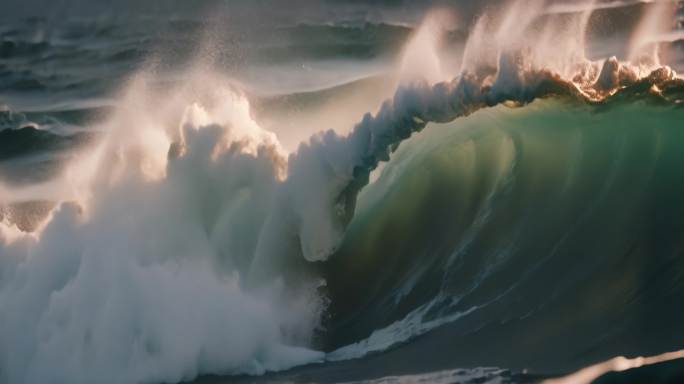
[[186, 240]]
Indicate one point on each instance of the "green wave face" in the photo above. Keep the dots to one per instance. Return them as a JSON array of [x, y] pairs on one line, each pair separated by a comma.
[[562, 214]]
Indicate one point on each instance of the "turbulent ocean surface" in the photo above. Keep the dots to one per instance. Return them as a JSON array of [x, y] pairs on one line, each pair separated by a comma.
[[339, 192]]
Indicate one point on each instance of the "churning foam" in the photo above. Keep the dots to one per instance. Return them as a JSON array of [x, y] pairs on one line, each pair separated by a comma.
[[140, 282]]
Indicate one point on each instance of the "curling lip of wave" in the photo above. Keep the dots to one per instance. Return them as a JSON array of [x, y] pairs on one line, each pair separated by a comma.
[[371, 141]]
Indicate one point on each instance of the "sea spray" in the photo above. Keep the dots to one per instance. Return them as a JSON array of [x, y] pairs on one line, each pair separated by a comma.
[[141, 281]]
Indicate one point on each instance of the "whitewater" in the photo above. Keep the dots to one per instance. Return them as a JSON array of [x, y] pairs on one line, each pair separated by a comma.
[[186, 239]]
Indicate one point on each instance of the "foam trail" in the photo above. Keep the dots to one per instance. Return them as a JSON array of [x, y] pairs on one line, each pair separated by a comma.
[[617, 364]]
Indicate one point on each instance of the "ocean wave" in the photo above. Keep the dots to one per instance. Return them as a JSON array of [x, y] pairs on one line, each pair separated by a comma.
[[521, 198], [188, 241], [291, 216]]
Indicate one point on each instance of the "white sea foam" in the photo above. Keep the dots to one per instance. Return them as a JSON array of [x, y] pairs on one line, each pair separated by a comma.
[[139, 279]]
